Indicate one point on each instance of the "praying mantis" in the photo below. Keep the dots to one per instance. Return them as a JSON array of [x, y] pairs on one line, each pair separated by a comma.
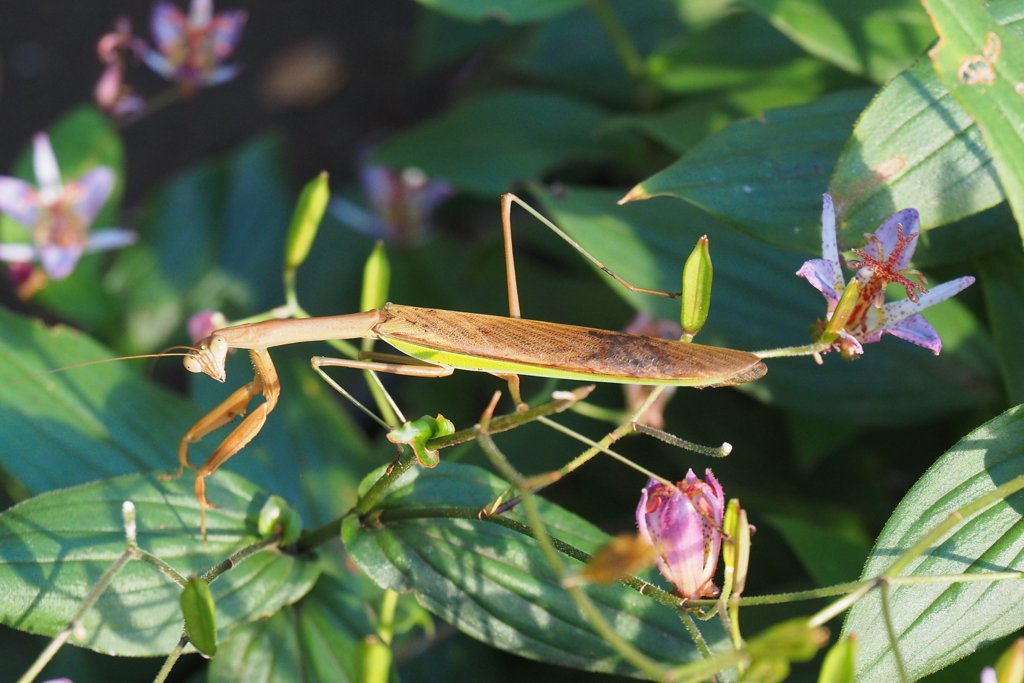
[[438, 342]]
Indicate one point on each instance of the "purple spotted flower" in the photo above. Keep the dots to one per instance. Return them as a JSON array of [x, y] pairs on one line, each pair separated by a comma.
[[190, 48], [58, 214], [684, 523], [857, 310]]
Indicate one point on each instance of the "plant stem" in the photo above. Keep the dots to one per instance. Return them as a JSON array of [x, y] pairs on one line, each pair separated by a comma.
[[624, 46], [792, 351], [544, 541]]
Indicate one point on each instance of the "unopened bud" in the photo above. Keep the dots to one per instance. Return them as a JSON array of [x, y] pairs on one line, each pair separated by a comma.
[[376, 279], [697, 275], [309, 211]]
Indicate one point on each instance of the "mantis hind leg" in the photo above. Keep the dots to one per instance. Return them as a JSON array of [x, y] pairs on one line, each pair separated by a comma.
[[265, 382], [507, 200]]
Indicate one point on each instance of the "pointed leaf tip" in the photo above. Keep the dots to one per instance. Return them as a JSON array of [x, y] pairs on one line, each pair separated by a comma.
[[636, 194]]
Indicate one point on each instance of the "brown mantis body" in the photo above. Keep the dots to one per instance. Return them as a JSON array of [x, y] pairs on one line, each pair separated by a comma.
[[439, 342]]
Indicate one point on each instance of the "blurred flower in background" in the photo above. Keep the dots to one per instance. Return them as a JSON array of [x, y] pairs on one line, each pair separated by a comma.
[[403, 203], [190, 48], [58, 215], [202, 324], [111, 93]]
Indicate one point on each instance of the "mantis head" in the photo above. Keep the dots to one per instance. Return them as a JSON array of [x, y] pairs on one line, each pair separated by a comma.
[[208, 357]]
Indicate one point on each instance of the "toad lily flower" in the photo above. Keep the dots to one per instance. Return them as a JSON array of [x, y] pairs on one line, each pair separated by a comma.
[[58, 214], [684, 523], [858, 313], [190, 48], [403, 201]]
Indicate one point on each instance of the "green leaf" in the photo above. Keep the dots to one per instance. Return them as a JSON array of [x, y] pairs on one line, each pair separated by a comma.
[[757, 55], [315, 639], [765, 176], [55, 546], [486, 144], [759, 303], [494, 584], [679, 127], [982, 64], [442, 40], [992, 540], [87, 423], [877, 38], [830, 553], [212, 238], [509, 11], [600, 72], [1002, 281], [199, 610], [914, 146], [84, 423]]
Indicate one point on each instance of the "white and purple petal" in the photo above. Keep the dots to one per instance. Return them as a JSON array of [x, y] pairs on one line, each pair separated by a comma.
[[218, 75], [897, 311], [47, 172], [59, 261], [916, 330], [110, 238], [200, 12], [18, 253], [19, 200], [825, 277], [168, 24], [829, 239], [95, 188], [160, 64], [226, 31], [909, 222]]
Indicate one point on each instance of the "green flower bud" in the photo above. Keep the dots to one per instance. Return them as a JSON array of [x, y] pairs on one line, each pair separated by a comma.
[[697, 274], [376, 279], [309, 211], [200, 616], [278, 514]]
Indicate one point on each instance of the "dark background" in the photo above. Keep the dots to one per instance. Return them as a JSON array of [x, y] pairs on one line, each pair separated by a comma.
[[49, 65]]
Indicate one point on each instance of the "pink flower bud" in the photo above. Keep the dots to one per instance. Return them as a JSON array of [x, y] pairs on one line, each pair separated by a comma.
[[684, 523], [202, 324]]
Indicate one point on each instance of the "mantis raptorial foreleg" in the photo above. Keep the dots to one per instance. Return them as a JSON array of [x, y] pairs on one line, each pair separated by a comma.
[[264, 382]]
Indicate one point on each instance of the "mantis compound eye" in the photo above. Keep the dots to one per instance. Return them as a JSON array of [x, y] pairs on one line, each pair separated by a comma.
[[218, 346], [192, 364]]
